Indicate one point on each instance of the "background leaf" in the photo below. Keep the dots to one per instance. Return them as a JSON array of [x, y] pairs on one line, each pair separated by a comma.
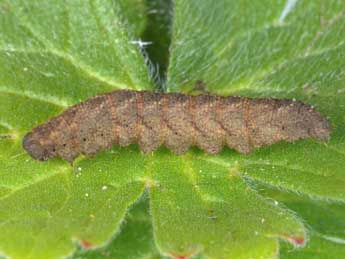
[[54, 54]]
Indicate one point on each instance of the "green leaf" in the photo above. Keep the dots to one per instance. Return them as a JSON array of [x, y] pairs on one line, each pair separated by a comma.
[[136, 232], [135, 13], [57, 53], [325, 239], [324, 220], [200, 206], [323, 217], [52, 47]]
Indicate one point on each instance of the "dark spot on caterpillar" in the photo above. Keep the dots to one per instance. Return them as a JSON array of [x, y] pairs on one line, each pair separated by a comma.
[[175, 120]]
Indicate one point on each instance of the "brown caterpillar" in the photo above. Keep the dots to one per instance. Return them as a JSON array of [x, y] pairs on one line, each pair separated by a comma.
[[176, 120]]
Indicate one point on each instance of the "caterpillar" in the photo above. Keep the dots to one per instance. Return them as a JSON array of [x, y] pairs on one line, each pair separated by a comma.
[[178, 121]]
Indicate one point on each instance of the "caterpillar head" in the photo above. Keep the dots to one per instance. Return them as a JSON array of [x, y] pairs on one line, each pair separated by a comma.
[[39, 145]]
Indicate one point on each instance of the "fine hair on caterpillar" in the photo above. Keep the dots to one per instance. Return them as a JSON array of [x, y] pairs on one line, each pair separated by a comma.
[[178, 121]]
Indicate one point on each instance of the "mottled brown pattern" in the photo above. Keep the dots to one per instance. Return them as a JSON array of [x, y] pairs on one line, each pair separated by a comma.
[[177, 121]]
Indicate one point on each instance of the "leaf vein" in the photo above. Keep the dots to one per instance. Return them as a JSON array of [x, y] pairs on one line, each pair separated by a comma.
[[38, 97], [76, 63]]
